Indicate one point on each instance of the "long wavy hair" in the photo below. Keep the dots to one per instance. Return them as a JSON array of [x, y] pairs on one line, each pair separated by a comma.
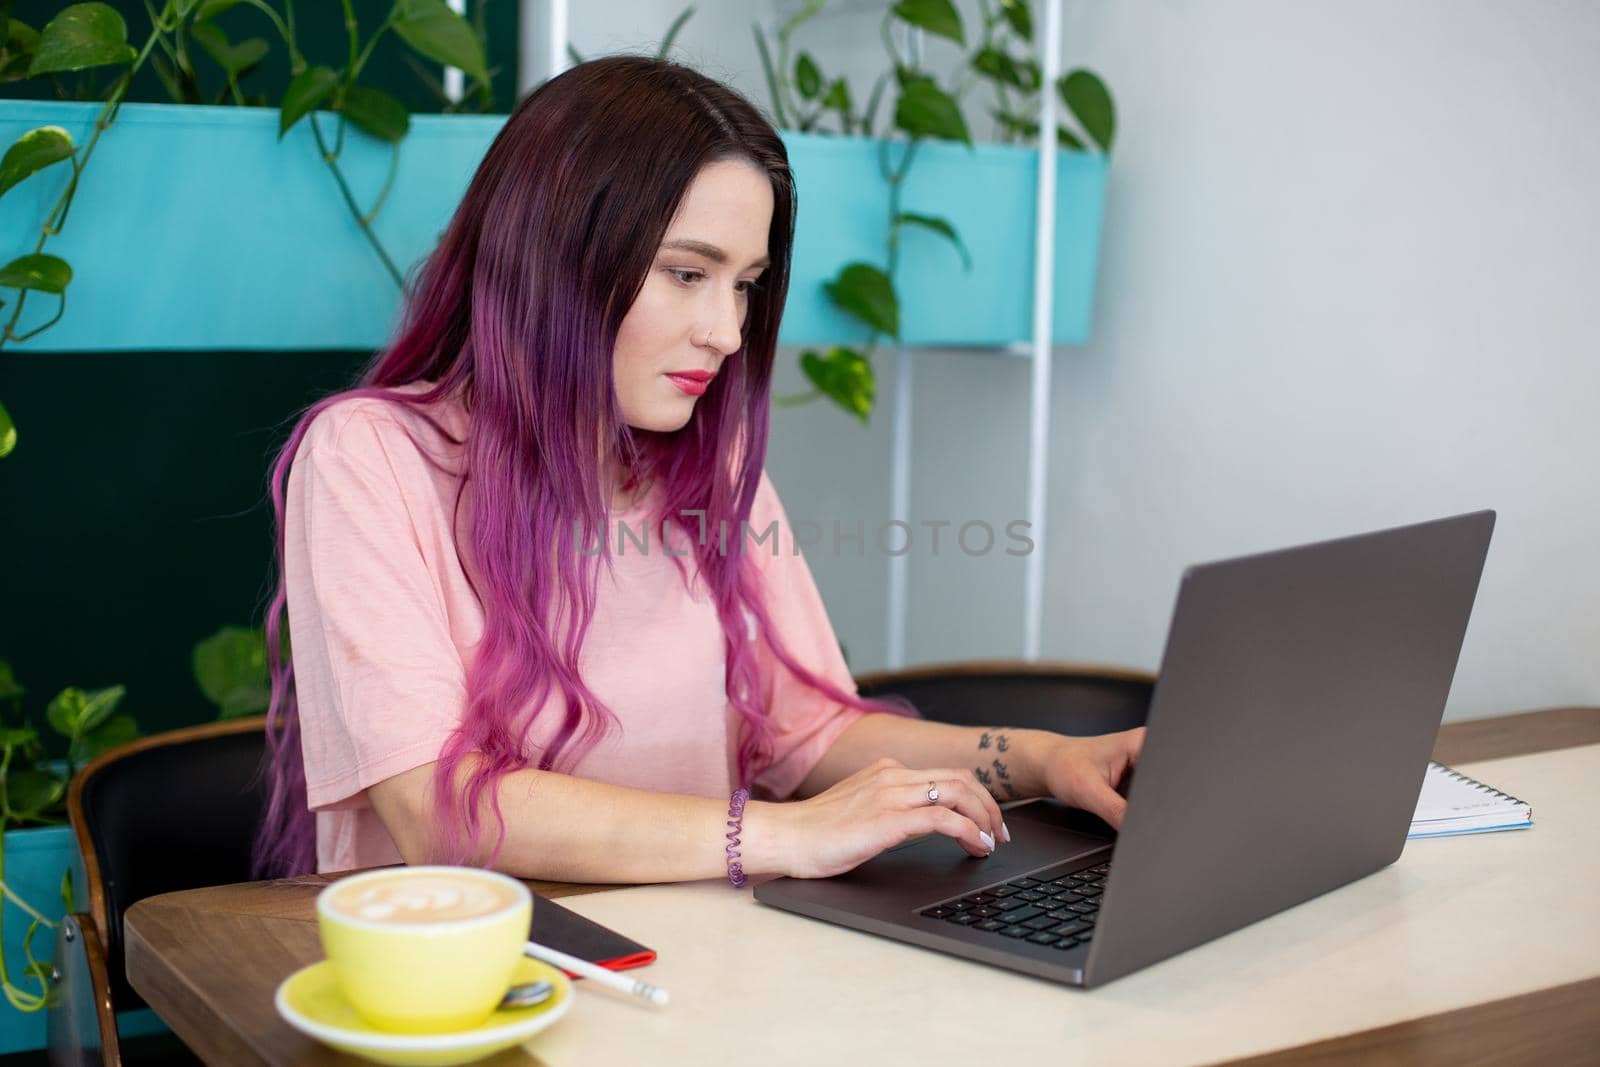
[[517, 311]]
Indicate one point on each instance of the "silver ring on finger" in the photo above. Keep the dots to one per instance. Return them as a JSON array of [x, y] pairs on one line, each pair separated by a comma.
[[933, 793]]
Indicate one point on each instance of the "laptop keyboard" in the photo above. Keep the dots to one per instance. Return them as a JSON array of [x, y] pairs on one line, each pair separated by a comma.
[[1055, 907]]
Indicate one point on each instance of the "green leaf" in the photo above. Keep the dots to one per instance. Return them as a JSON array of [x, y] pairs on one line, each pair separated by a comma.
[[66, 890], [236, 59], [838, 97], [82, 36], [118, 730], [184, 8], [66, 710], [799, 18], [941, 227], [248, 700], [235, 657], [169, 79], [1002, 67], [98, 706], [40, 271], [309, 88], [376, 112], [807, 78], [993, 63], [19, 33], [30, 791], [18, 736], [925, 110], [430, 27], [1089, 101], [1015, 125], [32, 152], [18, 42], [672, 32], [8, 433], [210, 9], [40, 969], [935, 16], [771, 74], [844, 377], [1020, 18], [9, 689], [1067, 138], [866, 292]]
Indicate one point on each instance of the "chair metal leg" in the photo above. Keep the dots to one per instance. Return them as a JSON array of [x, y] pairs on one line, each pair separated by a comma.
[[81, 1025]]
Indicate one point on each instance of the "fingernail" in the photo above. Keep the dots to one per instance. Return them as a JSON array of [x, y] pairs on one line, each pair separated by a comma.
[[988, 842], [1005, 834]]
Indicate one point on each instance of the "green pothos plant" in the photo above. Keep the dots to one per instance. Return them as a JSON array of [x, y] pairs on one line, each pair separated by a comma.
[[93, 36], [805, 98], [230, 668], [33, 790]]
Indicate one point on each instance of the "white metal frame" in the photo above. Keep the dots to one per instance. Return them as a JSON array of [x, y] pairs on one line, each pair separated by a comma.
[[1042, 350]]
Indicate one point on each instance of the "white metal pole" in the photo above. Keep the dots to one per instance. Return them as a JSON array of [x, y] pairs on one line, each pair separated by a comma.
[[454, 81], [1044, 272], [557, 54], [900, 506], [900, 473], [542, 43]]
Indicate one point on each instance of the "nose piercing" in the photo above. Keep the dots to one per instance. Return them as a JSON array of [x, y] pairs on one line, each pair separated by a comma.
[[707, 341]]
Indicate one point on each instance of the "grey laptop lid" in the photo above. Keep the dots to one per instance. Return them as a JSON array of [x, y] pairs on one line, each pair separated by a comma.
[[1297, 704]]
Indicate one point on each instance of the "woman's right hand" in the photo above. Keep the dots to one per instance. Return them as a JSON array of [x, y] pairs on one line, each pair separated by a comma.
[[875, 809]]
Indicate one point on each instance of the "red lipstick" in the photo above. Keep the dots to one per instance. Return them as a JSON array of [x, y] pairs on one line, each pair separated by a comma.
[[693, 382]]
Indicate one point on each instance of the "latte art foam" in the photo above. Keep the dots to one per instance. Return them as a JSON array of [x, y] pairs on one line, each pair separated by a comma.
[[421, 898]]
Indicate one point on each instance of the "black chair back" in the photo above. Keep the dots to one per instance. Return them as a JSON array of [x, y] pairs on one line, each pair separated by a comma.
[[176, 811], [1067, 698]]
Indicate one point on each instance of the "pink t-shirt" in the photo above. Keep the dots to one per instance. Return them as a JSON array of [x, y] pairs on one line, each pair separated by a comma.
[[383, 625]]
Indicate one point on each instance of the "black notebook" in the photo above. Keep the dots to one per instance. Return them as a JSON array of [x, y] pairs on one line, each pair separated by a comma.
[[569, 932]]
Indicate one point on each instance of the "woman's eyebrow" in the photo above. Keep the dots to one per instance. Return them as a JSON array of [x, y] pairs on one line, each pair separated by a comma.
[[710, 251]]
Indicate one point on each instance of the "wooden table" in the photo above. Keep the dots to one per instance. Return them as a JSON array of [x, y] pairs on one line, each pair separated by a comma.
[[208, 961]]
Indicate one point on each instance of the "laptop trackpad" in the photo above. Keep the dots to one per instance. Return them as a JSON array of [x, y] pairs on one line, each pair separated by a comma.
[[1042, 833]]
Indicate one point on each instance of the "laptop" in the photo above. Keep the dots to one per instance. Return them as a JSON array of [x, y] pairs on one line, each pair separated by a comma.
[[1297, 704]]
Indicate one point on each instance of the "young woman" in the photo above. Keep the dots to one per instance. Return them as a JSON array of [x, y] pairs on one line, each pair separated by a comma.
[[490, 664]]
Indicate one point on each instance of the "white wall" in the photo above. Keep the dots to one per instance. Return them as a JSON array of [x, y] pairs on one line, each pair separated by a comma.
[[1350, 256]]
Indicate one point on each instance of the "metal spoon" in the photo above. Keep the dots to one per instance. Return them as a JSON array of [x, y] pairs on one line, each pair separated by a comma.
[[527, 994]]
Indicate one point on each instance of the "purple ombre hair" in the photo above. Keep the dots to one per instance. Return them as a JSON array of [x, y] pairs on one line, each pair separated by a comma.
[[517, 312]]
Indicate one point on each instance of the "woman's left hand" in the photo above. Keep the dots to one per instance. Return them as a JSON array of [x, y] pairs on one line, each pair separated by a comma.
[[1084, 772]]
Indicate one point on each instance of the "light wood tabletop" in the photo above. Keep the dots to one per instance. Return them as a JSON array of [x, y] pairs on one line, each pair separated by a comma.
[[209, 960]]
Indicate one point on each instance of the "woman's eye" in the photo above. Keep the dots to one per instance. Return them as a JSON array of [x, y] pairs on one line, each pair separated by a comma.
[[685, 276]]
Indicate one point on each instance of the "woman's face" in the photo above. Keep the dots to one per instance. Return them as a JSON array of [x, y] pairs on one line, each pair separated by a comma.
[[690, 313]]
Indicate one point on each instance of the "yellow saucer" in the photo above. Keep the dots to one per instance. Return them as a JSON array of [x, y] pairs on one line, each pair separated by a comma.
[[310, 1001]]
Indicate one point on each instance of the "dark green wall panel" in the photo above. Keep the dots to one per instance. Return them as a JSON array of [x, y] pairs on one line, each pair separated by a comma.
[[134, 517]]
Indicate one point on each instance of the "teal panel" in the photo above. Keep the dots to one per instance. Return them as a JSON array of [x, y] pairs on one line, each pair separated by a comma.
[[34, 862], [987, 194], [195, 229]]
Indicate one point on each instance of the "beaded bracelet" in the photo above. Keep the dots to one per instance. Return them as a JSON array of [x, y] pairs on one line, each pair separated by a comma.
[[735, 818]]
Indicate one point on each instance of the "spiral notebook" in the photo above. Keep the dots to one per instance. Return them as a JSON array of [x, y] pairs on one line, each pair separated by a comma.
[[1453, 803]]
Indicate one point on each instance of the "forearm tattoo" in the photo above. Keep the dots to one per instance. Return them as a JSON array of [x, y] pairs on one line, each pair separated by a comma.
[[996, 777]]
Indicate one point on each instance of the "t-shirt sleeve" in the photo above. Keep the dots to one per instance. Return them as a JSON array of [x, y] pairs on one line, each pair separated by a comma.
[[805, 721], [378, 681]]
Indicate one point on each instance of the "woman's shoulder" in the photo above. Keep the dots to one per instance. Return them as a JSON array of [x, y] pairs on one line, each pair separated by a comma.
[[371, 427]]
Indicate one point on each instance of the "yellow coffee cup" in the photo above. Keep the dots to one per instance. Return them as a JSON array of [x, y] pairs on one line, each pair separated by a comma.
[[424, 949]]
